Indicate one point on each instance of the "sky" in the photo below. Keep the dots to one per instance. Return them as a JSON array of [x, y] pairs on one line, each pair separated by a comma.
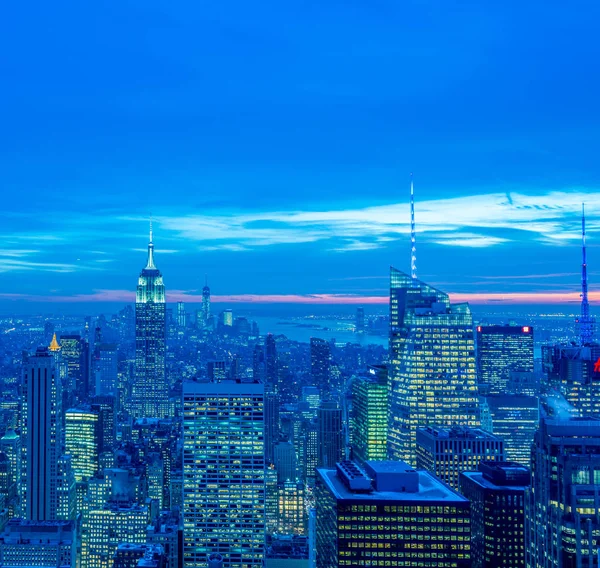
[[272, 143]]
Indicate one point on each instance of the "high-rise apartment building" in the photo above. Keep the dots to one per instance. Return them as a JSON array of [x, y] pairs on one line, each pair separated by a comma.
[[370, 419], [224, 473], [150, 391], [320, 363], [83, 441], [502, 350], [330, 436], [389, 513], [497, 495], [43, 436], [432, 363], [562, 513], [447, 452]]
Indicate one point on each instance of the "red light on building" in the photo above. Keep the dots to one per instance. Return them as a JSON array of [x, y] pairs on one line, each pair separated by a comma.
[[597, 366], [526, 329]]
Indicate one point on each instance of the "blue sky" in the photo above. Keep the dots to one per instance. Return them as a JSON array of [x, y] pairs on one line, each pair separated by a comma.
[[272, 142]]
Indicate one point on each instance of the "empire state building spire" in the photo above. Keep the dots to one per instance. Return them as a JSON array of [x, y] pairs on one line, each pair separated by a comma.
[[150, 265]]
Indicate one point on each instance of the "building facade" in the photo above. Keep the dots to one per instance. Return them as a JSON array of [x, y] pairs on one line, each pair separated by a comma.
[[388, 514], [447, 452], [150, 391], [497, 495], [562, 512], [224, 473], [502, 350], [432, 373]]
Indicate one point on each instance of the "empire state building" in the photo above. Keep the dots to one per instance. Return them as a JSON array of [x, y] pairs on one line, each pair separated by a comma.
[[150, 392]]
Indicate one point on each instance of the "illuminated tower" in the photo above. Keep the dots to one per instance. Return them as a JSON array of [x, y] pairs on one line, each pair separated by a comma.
[[432, 363], [150, 390], [205, 302], [82, 441], [586, 321]]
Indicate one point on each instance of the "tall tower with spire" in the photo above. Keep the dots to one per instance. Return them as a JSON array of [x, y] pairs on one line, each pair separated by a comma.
[[413, 232], [150, 392], [586, 321], [205, 302]]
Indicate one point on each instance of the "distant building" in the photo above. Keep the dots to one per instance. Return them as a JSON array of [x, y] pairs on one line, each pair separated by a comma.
[[150, 391], [224, 473], [285, 461], [563, 506], [320, 362], [106, 369], [181, 315], [312, 397], [432, 363], [291, 515], [75, 353], [139, 556], [370, 419], [330, 442], [390, 513], [447, 452], [360, 319], [42, 544], [497, 495], [205, 304], [501, 351]]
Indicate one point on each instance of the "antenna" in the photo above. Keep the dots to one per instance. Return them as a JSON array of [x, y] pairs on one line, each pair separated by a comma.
[[150, 227], [586, 321], [413, 232]]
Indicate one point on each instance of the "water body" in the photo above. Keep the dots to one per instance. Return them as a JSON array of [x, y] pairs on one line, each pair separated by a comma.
[[302, 329]]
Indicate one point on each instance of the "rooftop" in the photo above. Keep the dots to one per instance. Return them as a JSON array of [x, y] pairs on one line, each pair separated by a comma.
[[430, 489]]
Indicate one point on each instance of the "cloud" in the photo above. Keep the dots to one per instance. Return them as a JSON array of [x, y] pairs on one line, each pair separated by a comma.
[[469, 221]]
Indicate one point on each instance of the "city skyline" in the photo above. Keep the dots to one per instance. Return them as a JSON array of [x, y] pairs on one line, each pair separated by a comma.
[[244, 163]]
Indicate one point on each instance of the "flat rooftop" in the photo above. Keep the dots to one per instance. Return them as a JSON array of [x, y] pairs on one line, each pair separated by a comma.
[[430, 489], [224, 387], [478, 477]]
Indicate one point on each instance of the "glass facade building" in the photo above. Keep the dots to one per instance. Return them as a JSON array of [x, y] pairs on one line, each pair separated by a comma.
[[432, 373], [388, 514], [515, 419], [369, 415], [224, 473], [82, 441], [150, 392]]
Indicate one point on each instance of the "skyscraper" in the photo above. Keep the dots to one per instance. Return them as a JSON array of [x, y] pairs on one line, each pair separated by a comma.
[[320, 355], [224, 473], [447, 452], [43, 436], [181, 315], [370, 420], [432, 363], [562, 513], [501, 351], [105, 368], [360, 319], [75, 354], [330, 436], [82, 441], [272, 397], [388, 514], [150, 392], [497, 495], [205, 303], [514, 419]]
